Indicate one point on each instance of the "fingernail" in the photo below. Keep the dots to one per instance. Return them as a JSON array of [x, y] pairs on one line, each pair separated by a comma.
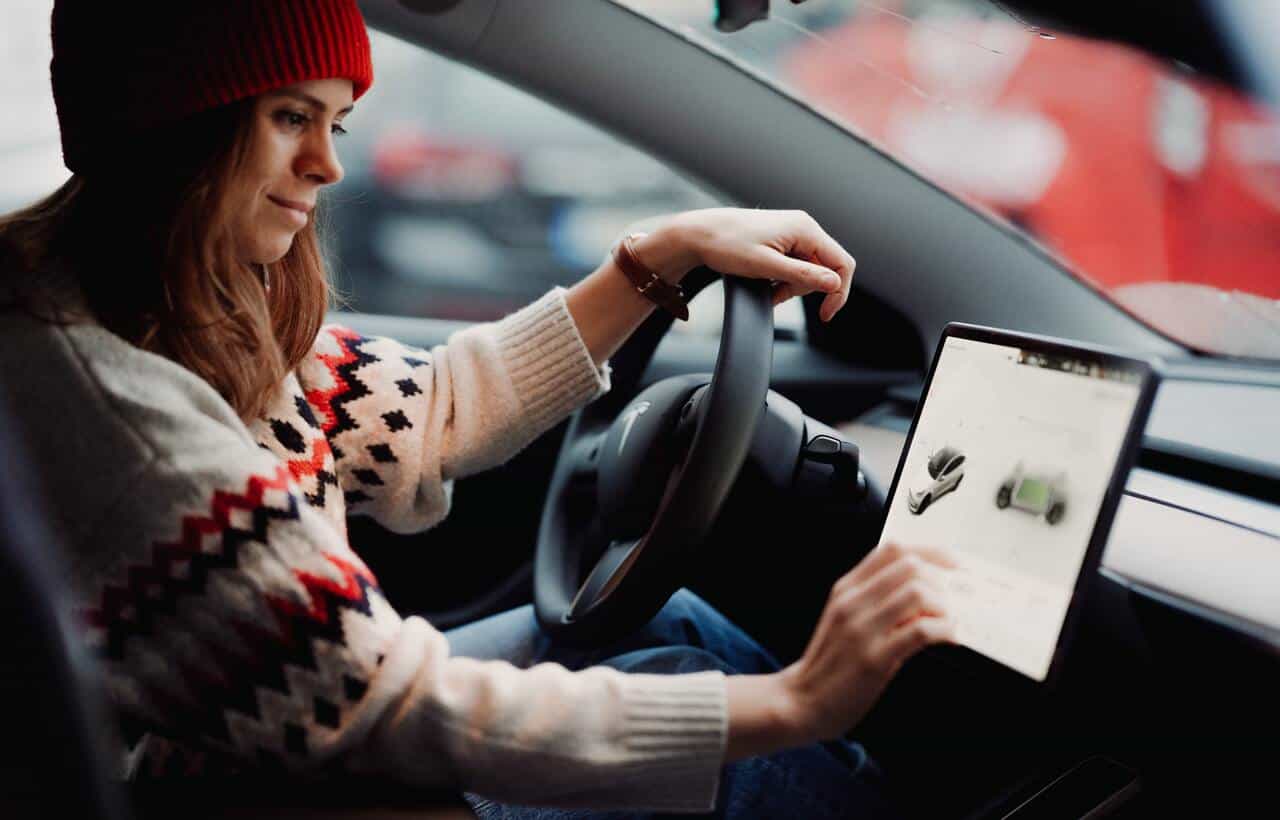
[[833, 280]]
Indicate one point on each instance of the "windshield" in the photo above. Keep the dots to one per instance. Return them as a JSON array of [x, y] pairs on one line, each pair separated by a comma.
[[1157, 185]]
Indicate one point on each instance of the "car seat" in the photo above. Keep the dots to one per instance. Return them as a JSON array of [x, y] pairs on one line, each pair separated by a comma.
[[56, 760], [59, 759]]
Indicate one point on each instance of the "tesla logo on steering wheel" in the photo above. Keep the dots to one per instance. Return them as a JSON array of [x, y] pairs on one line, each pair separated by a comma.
[[631, 416]]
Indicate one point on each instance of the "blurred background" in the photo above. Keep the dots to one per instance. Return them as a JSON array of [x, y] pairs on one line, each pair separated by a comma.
[[465, 198]]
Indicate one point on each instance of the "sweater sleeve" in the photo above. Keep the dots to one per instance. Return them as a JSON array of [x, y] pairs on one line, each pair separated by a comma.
[[243, 623], [403, 422]]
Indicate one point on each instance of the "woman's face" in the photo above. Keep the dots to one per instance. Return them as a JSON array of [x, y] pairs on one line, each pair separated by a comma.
[[290, 158]]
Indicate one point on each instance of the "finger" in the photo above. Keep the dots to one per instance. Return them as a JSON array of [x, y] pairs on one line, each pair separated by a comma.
[[803, 275], [782, 293], [833, 302], [891, 551], [882, 585], [910, 638], [934, 554], [914, 599], [887, 566], [819, 247], [830, 254], [874, 561]]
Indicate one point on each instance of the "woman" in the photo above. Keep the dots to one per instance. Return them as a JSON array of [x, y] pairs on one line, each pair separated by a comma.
[[203, 439]]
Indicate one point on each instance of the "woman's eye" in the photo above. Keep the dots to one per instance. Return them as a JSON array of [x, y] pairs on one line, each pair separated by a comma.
[[292, 118]]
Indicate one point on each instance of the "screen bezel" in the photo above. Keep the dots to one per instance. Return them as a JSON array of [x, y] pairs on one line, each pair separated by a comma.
[[1148, 375]]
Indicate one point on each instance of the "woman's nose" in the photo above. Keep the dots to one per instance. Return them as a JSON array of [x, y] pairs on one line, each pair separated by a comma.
[[321, 161]]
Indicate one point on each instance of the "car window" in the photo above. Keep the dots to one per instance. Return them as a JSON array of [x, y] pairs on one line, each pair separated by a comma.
[[1157, 185], [30, 154], [464, 198]]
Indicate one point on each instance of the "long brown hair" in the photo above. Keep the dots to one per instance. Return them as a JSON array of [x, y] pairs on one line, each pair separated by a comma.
[[146, 241]]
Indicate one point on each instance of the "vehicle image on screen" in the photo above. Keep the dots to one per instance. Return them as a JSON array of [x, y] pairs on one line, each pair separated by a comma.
[[946, 468], [1039, 493]]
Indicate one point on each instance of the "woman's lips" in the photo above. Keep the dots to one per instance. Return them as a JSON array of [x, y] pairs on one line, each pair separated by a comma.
[[297, 210]]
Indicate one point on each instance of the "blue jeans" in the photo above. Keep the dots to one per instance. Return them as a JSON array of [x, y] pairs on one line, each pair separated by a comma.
[[821, 781]]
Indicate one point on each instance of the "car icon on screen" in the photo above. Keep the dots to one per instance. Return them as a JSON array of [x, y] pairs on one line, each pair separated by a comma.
[[1036, 493], [946, 468]]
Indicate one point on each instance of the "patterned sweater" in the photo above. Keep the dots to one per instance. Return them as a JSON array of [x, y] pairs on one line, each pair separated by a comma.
[[213, 573]]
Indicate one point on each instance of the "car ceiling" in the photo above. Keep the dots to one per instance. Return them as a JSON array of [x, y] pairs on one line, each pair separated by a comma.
[[919, 249]]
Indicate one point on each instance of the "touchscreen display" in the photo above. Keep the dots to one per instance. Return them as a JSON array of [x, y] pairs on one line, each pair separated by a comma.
[[1011, 457]]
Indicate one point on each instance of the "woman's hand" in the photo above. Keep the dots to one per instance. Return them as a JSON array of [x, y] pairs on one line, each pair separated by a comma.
[[788, 247], [878, 615]]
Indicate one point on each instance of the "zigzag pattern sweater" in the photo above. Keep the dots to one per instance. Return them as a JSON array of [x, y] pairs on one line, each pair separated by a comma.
[[213, 573]]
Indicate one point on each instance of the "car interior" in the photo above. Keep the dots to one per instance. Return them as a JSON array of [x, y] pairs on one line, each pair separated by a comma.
[[1167, 700]]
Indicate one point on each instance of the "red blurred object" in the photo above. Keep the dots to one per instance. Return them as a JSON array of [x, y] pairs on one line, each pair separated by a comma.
[[1130, 170], [412, 164]]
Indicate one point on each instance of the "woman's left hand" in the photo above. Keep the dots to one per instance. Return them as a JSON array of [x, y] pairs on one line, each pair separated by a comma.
[[788, 247]]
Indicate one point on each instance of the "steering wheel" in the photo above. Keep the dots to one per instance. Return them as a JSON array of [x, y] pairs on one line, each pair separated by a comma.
[[635, 497]]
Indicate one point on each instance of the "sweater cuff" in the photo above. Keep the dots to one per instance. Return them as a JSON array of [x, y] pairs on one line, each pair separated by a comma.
[[676, 728], [549, 363]]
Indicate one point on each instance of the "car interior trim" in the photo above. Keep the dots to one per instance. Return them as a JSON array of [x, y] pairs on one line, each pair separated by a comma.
[[1213, 468], [454, 27], [1230, 508], [1222, 566], [1191, 414], [1267, 636]]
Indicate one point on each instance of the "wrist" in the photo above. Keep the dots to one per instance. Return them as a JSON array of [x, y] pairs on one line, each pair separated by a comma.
[[667, 252], [795, 714], [758, 722]]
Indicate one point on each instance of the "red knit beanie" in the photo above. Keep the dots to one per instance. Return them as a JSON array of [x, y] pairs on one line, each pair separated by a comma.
[[119, 69]]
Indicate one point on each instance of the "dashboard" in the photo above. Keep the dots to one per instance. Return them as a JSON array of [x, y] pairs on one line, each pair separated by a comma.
[[1175, 668], [1199, 525]]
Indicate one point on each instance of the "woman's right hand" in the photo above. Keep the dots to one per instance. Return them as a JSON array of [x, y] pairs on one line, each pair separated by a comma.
[[879, 614]]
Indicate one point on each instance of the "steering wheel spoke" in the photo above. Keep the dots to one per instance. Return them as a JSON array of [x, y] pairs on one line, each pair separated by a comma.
[[584, 460], [604, 578], [660, 474]]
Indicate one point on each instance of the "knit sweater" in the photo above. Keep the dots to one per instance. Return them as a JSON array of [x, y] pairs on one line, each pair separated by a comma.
[[216, 584]]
